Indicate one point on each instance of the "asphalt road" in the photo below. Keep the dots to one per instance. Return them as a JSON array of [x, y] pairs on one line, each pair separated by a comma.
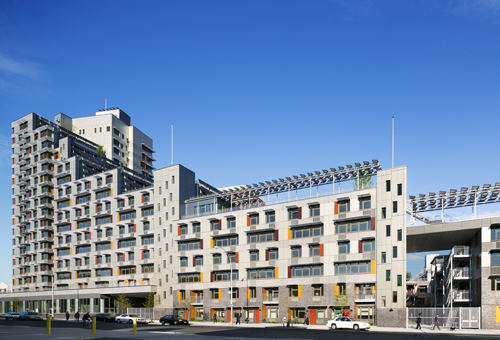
[[144, 332]]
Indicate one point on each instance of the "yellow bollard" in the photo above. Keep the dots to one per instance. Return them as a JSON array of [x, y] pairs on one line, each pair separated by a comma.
[[135, 326], [94, 324], [48, 324]]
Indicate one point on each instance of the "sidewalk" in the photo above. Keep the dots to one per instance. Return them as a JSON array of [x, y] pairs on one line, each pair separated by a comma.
[[425, 329]]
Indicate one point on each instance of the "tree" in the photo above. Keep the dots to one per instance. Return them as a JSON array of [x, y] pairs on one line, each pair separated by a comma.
[[16, 304], [185, 304], [408, 276], [285, 302], [363, 182], [152, 300], [100, 150], [342, 300], [122, 302]]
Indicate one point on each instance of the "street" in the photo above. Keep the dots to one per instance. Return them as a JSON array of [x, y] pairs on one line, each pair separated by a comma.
[[28, 330]]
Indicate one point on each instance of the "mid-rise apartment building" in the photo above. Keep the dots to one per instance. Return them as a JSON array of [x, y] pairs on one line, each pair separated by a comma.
[[90, 222]]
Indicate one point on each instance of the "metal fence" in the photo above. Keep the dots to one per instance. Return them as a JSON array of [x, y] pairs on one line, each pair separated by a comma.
[[149, 313], [458, 317]]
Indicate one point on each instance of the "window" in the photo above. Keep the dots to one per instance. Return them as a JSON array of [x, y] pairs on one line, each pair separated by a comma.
[[103, 246], [146, 226], [196, 228], [214, 294], [395, 206], [318, 290], [214, 225], [365, 204], [352, 268], [388, 275], [198, 260], [395, 252], [190, 245], [127, 216], [314, 250], [120, 203], [307, 232], [261, 273], [344, 206], [394, 297], [293, 291], [384, 259], [387, 230], [273, 254], [224, 275], [254, 255], [260, 237], [183, 229], [400, 280], [253, 293], [388, 185], [186, 278], [226, 241], [384, 214], [400, 234], [296, 251], [344, 248], [231, 222], [495, 258], [254, 219], [293, 213], [270, 217], [400, 189], [313, 270], [217, 258], [147, 212], [352, 227], [368, 245], [184, 262], [314, 210], [495, 234], [231, 258]]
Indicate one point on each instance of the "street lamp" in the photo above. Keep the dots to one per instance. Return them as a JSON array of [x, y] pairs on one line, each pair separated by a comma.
[[246, 317], [231, 280], [52, 312]]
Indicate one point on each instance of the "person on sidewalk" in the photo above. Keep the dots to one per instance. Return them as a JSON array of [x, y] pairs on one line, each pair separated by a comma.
[[436, 322], [215, 317], [67, 315], [306, 321], [77, 316], [419, 321], [284, 321], [238, 319], [84, 319]]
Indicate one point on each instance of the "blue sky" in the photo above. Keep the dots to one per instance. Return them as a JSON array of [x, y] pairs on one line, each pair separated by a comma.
[[265, 89]]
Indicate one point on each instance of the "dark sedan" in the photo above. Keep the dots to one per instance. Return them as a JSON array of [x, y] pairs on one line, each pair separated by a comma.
[[104, 317], [172, 320], [12, 316]]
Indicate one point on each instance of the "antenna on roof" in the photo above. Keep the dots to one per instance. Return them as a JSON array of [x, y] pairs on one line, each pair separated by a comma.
[[105, 103], [172, 145]]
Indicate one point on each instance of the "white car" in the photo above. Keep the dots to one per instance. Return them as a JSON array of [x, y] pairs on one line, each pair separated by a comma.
[[345, 322], [129, 318]]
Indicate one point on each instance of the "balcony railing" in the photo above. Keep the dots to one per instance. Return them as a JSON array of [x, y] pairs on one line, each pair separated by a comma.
[[271, 298], [461, 295], [461, 272], [365, 294], [460, 250], [197, 299]]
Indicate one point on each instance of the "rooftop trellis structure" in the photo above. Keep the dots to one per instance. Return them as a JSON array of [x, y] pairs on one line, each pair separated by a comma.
[[247, 194], [454, 199]]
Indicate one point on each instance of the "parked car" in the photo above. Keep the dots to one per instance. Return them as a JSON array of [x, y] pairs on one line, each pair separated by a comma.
[[347, 323], [104, 317], [129, 318], [31, 316], [172, 320], [12, 316]]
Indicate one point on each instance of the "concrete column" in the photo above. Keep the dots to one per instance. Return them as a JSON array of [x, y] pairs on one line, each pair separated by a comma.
[[91, 307], [101, 304]]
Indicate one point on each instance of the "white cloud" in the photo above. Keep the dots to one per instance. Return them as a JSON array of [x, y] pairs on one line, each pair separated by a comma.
[[483, 10], [5, 151], [12, 68], [22, 78]]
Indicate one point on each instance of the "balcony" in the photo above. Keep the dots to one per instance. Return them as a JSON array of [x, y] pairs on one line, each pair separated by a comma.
[[271, 298], [365, 295], [197, 300], [461, 296], [461, 273]]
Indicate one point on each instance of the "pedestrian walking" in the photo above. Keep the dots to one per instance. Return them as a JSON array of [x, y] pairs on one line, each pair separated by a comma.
[[306, 321], [419, 320], [67, 315], [215, 317], [436, 322], [77, 316], [284, 321], [238, 319], [86, 320]]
